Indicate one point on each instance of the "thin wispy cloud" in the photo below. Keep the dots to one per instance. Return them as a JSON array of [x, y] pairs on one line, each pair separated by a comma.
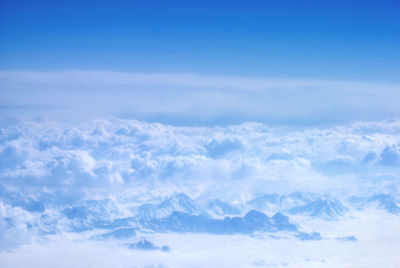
[[180, 98]]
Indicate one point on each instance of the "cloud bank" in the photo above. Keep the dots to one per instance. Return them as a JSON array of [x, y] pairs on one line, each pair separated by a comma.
[[124, 163], [188, 99], [97, 186], [252, 156]]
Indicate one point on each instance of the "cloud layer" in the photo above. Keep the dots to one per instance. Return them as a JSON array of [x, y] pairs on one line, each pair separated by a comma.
[[251, 157], [187, 99], [100, 185]]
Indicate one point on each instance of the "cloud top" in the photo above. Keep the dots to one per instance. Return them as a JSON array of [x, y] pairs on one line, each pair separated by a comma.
[[251, 157]]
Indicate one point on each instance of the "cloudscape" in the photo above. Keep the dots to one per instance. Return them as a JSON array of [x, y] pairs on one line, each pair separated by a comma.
[[199, 133]]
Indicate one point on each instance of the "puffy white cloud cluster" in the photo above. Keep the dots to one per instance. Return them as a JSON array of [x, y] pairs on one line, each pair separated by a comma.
[[117, 156], [13, 228], [109, 167]]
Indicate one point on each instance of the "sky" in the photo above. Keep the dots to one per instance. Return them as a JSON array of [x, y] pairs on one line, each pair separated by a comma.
[[204, 62], [346, 40]]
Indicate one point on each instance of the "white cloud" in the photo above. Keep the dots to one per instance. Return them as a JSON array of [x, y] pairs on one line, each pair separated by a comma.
[[131, 162], [114, 152]]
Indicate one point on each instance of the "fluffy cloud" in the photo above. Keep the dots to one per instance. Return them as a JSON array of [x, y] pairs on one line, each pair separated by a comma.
[[252, 156], [63, 183]]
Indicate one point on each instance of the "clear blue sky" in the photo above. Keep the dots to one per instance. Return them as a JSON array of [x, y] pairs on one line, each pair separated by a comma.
[[348, 40]]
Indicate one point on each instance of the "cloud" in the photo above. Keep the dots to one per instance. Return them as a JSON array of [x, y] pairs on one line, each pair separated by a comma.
[[188, 99], [104, 169], [390, 156], [251, 157]]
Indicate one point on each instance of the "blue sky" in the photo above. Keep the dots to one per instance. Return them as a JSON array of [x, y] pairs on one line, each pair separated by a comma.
[[351, 40]]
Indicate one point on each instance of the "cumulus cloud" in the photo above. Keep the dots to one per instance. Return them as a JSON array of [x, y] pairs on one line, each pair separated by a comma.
[[252, 156], [63, 183], [390, 156]]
